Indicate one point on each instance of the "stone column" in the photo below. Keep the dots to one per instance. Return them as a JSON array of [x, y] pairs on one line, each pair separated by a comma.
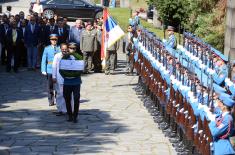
[[124, 3], [230, 30], [156, 22]]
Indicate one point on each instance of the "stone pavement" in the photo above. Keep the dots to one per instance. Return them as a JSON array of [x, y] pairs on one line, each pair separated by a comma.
[[112, 119]]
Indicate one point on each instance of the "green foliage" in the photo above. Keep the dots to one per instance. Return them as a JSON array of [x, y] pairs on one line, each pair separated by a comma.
[[211, 29], [121, 15], [173, 12], [205, 18]]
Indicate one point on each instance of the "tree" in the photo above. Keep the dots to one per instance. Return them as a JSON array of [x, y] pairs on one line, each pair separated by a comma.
[[173, 12]]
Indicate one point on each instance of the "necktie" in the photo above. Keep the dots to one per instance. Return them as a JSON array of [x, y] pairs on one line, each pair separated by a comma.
[[51, 29], [32, 28], [60, 31]]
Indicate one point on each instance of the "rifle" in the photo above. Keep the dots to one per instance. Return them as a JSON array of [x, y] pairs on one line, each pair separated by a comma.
[[197, 141]]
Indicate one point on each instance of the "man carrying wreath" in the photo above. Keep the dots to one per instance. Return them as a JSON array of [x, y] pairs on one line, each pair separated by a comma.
[[71, 67]]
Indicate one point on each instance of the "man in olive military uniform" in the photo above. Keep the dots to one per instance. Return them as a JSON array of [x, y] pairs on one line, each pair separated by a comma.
[[111, 58], [88, 45]]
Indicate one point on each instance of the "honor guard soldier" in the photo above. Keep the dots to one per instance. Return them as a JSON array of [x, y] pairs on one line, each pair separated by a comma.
[[46, 66], [172, 41], [221, 129], [221, 72]]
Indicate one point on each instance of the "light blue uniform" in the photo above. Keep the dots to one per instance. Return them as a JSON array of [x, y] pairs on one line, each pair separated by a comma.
[[222, 73], [48, 57], [222, 129], [171, 42]]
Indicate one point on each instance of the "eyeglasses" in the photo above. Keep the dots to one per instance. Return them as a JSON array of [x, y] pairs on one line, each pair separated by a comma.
[[53, 39], [72, 48]]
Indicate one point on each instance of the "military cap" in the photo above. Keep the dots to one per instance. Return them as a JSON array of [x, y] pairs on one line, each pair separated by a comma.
[[72, 44], [88, 23], [225, 98], [170, 28], [53, 36], [218, 89]]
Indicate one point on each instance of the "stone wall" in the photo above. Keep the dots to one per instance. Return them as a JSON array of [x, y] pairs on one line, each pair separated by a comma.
[[124, 3], [156, 22], [230, 30]]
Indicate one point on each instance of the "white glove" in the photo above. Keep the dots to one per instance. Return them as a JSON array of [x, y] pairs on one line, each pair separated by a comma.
[[178, 83], [172, 77], [181, 87], [207, 109], [203, 66], [229, 83], [44, 73], [212, 72], [181, 110], [196, 59], [200, 106], [190, 94], [174, 81], [226, 80], [211, 116]]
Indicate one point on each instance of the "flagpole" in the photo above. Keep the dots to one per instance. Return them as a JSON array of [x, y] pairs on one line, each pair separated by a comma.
[[103, 44]]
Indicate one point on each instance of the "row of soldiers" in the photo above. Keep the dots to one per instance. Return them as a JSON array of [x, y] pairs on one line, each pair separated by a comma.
[[23, 39], [193, 109]]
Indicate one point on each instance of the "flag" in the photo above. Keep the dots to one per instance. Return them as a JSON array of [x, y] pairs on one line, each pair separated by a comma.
[[111, 32]]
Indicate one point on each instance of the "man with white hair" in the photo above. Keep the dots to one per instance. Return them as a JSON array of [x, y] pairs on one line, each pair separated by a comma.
[[75, 33]]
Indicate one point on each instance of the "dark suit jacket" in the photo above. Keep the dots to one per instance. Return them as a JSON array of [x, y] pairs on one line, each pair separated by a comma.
[[62, 38], [2, 34], [43, 35], [9, 39], [49, 32], [31, 39]]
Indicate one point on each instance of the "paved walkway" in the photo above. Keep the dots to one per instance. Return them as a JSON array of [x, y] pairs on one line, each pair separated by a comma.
[[112, 119]]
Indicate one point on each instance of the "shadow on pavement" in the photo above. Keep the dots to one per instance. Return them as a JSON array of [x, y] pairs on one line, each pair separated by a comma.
[[39, 131], [22, 86], [25, 131]]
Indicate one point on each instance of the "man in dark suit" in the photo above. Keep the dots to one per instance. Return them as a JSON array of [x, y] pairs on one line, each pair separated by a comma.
[[62, 33], [52, 28], [31, 39], [65, 21], [3, 31], [13, 40], [42, 39], [23, 49]]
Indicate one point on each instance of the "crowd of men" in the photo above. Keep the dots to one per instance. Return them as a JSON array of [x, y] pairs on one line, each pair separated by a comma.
[[24, 39]]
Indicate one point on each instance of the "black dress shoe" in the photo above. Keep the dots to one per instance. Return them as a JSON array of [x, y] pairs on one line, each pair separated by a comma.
[[174, 140], [70, 119], [75, 121], [164, 127], [179, 149], [60, 114]]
